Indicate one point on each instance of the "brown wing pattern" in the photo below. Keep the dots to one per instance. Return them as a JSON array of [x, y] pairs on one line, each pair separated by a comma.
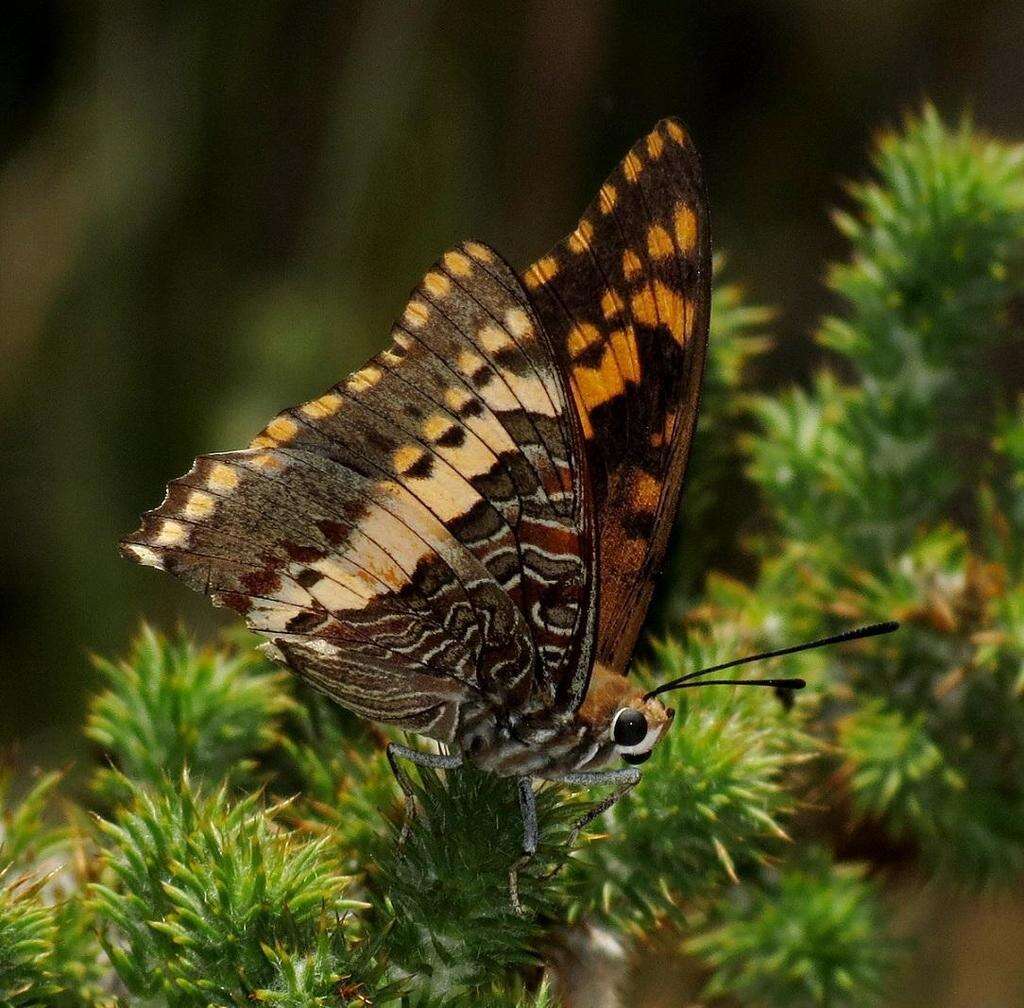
[[417, 536], [625, 299]]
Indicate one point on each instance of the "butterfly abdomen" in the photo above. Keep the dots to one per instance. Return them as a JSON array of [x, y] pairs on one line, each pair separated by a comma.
[[542, 746]]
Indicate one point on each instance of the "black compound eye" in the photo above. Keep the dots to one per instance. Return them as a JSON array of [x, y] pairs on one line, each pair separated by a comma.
[[629, 727], [636, 758]]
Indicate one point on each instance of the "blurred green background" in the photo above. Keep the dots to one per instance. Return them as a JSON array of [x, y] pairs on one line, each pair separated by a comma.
[[211, 210]]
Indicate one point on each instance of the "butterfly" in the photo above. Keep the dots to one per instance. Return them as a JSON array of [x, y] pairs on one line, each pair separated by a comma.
[[461, 538]]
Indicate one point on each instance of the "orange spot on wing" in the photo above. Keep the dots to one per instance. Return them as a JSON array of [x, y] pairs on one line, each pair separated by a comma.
[[611, 304], [199, 505], [645, 309], [493, 338], [659, 242], [581, 337], [602, 382], [579, 240], [436, 425], [223, 477], [437, 284], [676, 131], [655, 145], [542, 271], [283, 429], [406, 457], [365, 378], [456, 398], [479, 252], [457, 263], [646, 490], [171, 533], [686, 228], [468, 362], [607, 198], [632, 166], [327, 405], [269, 463], [518, 323], [623, 345], [416, 313], [631, 265], [279, 431], [658, 303]]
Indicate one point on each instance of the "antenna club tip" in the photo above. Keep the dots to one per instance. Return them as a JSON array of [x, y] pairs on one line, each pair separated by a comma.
[[875, 629], [869, 630], [787, 684]]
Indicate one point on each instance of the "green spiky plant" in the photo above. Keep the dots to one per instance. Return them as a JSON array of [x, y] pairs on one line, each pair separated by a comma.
[[243, 848]]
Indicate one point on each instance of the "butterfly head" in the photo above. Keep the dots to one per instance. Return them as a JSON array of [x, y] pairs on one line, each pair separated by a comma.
[[636, 727], [620, 720]]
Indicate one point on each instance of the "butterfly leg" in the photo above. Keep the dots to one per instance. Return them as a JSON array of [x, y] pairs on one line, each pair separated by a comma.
[[626, 778], [531, 838], [437, 761]]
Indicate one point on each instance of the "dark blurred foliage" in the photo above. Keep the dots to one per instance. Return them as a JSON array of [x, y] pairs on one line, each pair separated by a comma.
[[211, 210]]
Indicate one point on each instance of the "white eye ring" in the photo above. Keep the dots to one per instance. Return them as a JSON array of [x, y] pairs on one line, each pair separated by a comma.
[[643, 747], [629, 727]]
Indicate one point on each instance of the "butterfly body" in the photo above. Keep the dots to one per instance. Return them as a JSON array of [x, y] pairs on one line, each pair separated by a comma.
[[461, 538], [549, 744]]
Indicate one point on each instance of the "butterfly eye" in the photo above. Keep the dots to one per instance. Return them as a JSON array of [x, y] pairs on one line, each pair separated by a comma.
[[629, 727], [636, 758]]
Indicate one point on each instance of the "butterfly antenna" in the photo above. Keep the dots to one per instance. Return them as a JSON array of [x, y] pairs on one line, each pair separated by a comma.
[[686, 681]]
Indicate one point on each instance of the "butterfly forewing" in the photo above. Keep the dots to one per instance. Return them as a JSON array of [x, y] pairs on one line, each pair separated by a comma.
[[476, 516], [625, 301], [418, 535]]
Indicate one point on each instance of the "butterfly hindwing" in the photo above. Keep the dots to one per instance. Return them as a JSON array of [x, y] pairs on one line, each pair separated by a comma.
[[336, 570], [625, 300], [417, 536]]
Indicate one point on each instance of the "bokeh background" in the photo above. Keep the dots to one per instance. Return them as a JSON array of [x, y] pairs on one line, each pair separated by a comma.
[[211, 210]]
